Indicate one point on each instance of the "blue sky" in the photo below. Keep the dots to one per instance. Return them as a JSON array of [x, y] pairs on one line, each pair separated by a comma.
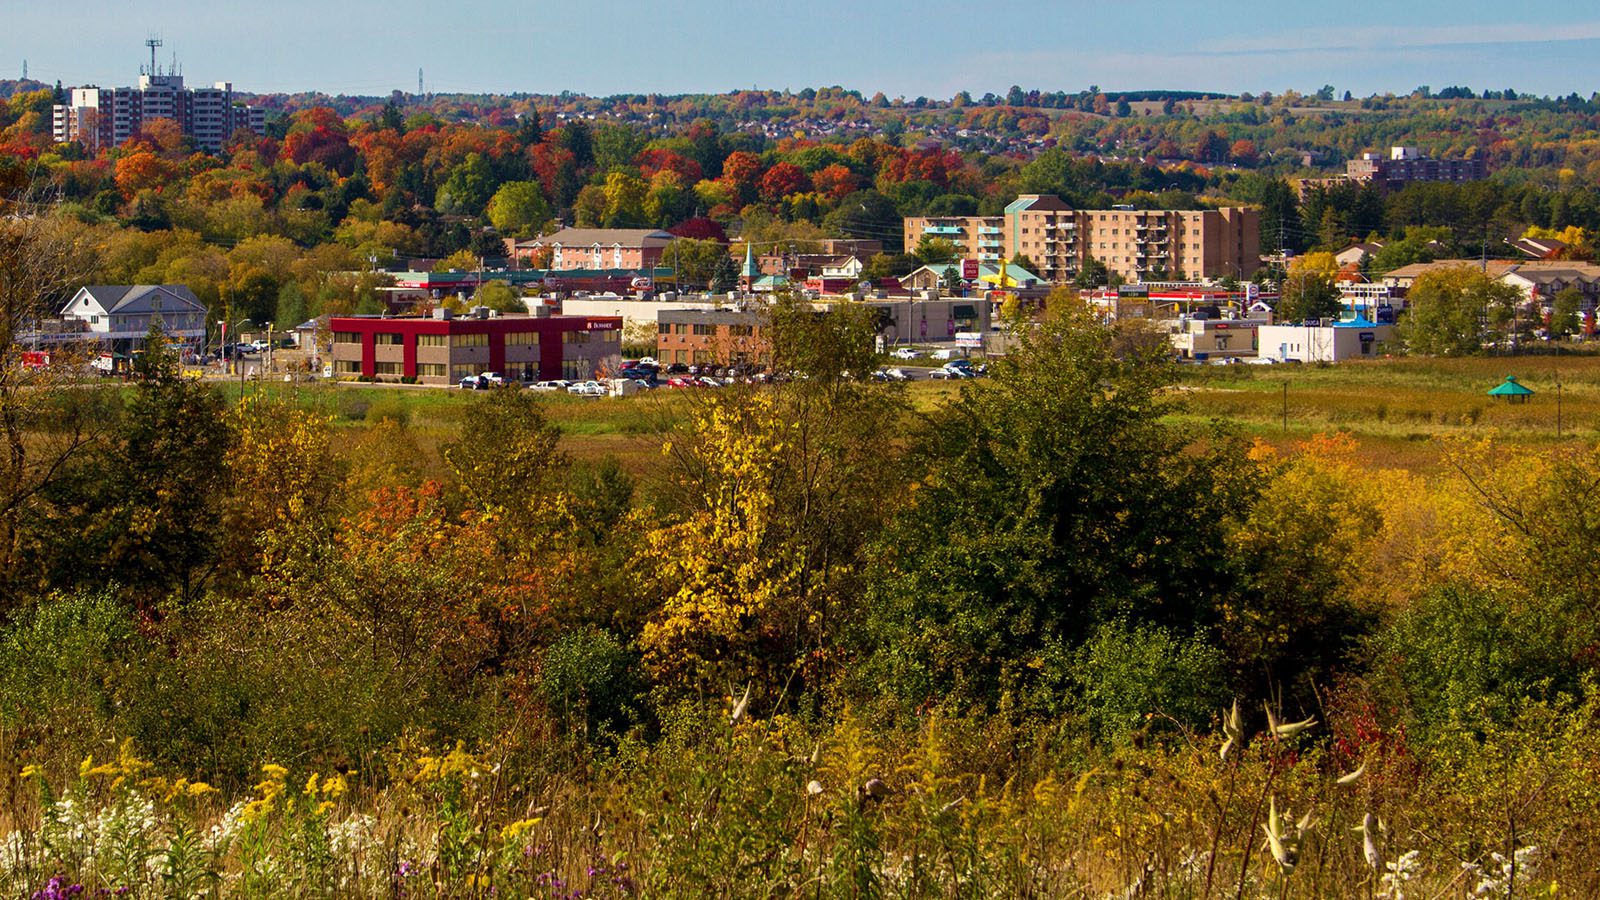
[[930, 48]]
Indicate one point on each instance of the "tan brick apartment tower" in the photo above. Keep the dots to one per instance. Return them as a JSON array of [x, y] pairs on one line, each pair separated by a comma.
[[1136, 244]]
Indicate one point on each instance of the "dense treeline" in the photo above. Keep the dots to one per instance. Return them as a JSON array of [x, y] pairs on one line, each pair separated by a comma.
[[283, 226], [985, 645]]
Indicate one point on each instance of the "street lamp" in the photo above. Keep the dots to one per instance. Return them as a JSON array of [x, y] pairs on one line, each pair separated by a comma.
[[222, 339]]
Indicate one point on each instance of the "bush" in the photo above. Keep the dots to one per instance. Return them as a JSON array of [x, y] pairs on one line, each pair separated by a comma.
[[61, 663], [394, 409], [590, 680], [1129, 673], [1464, 656]]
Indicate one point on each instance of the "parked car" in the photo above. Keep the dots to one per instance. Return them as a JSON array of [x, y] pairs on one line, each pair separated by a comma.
[[474, 383], [546, 386], [588, 389], [904, 353]]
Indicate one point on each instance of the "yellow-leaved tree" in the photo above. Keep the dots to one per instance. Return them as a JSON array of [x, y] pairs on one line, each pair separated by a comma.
[[727, 570], [284, 478], [777, 492]]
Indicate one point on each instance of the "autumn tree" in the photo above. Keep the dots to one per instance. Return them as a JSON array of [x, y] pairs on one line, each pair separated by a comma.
[[152, 520], [1452, 311], [777, 494], [44, 427], [1308, 296], [500, 296], [1041, 498], [518, 209]]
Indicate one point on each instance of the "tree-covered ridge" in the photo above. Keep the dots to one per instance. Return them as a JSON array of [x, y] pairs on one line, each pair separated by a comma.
[[301, 215]]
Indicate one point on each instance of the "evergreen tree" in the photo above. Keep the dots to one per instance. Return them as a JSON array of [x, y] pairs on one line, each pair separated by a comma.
[[725, 277]]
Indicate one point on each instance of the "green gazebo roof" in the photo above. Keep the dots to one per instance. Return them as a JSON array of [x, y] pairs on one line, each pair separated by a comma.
[[1510, 388]]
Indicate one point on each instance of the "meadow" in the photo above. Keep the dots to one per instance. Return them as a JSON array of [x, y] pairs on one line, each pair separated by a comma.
[[434, 643]]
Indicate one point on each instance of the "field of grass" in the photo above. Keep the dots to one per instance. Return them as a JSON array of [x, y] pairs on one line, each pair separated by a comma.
[[1393, 408]]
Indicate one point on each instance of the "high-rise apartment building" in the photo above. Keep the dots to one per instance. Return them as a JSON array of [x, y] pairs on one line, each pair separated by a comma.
[[1137, 244], [103, 117]]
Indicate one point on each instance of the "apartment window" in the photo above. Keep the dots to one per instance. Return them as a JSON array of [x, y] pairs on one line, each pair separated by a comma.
[[740, 330], [388, 338], [469, 340], [664, 328], [701, 357], [705, 330], [346, 337], [431, 340], [680, 328]]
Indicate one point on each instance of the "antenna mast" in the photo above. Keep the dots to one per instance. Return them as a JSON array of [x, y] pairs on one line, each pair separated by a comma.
[[152, 42], [419, 82]]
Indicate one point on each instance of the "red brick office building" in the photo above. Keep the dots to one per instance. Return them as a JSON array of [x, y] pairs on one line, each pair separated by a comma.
[[445, 350]]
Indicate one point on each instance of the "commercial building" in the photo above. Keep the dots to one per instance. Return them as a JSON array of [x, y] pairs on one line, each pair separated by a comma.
[[1197, 338], [1332, 342], [121, 315], [1138, 245], [608, 249], [100, 118], [726, 337], [443, 349], [720, 337]]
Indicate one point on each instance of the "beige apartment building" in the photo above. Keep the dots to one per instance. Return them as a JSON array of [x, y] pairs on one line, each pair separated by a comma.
[[1137, 244]]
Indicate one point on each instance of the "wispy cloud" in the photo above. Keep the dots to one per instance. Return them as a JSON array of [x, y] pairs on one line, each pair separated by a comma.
[[1399, 38]]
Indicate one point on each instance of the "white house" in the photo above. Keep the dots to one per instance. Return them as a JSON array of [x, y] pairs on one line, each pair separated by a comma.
[[1356, 339], [121, 314], [843, 267]]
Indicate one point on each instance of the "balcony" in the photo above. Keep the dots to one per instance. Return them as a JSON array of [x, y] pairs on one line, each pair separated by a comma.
[[988, 229], [941, 229]]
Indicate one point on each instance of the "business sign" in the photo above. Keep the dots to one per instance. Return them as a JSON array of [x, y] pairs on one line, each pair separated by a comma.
[[970, 339], [969, 269], [1367, 337]]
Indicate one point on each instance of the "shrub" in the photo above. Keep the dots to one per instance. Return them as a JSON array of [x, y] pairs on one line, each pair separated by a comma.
[[1467, 656], [590, 680], [1130, 673]]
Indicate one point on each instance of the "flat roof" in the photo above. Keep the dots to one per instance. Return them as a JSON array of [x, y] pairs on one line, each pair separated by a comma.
[[469, 325]]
